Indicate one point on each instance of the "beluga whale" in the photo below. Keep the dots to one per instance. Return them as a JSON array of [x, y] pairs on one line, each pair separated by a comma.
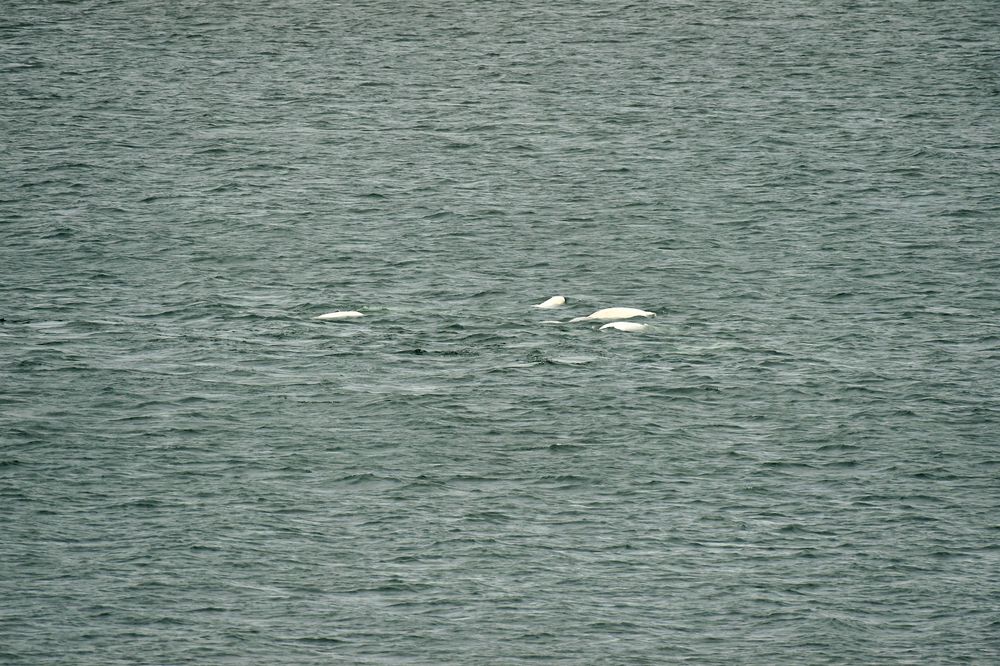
[[609, 314], [553, 302], [340, 314], [627, 326]]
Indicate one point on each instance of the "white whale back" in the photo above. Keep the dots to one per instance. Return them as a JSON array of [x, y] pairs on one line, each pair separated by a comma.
[[340, 314], [607, 314], [627, 326]]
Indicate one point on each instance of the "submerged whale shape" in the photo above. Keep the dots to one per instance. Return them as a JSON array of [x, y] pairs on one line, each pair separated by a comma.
[[627, 326], [340, 314], [553, 302], [608, 314]]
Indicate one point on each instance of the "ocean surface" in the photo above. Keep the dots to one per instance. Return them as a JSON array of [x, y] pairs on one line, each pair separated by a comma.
[[796, 462]]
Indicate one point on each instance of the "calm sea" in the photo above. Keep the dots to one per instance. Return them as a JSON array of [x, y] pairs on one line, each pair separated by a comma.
[[796, 462]]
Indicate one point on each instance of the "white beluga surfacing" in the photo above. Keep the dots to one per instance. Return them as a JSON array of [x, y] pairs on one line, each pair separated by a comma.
[[609, 314], [553, 302], [340, 314], [627, 326]]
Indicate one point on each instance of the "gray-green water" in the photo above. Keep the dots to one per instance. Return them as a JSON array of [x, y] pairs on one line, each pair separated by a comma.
[[795, 463]]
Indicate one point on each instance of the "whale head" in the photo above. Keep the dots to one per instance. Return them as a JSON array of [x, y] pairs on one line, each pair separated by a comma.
[[553, 302]]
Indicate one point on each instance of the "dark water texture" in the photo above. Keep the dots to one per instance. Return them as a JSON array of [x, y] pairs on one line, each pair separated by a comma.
[[795, 463]]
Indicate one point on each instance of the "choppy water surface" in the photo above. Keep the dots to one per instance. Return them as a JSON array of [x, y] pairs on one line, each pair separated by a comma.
[[795, 463]]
